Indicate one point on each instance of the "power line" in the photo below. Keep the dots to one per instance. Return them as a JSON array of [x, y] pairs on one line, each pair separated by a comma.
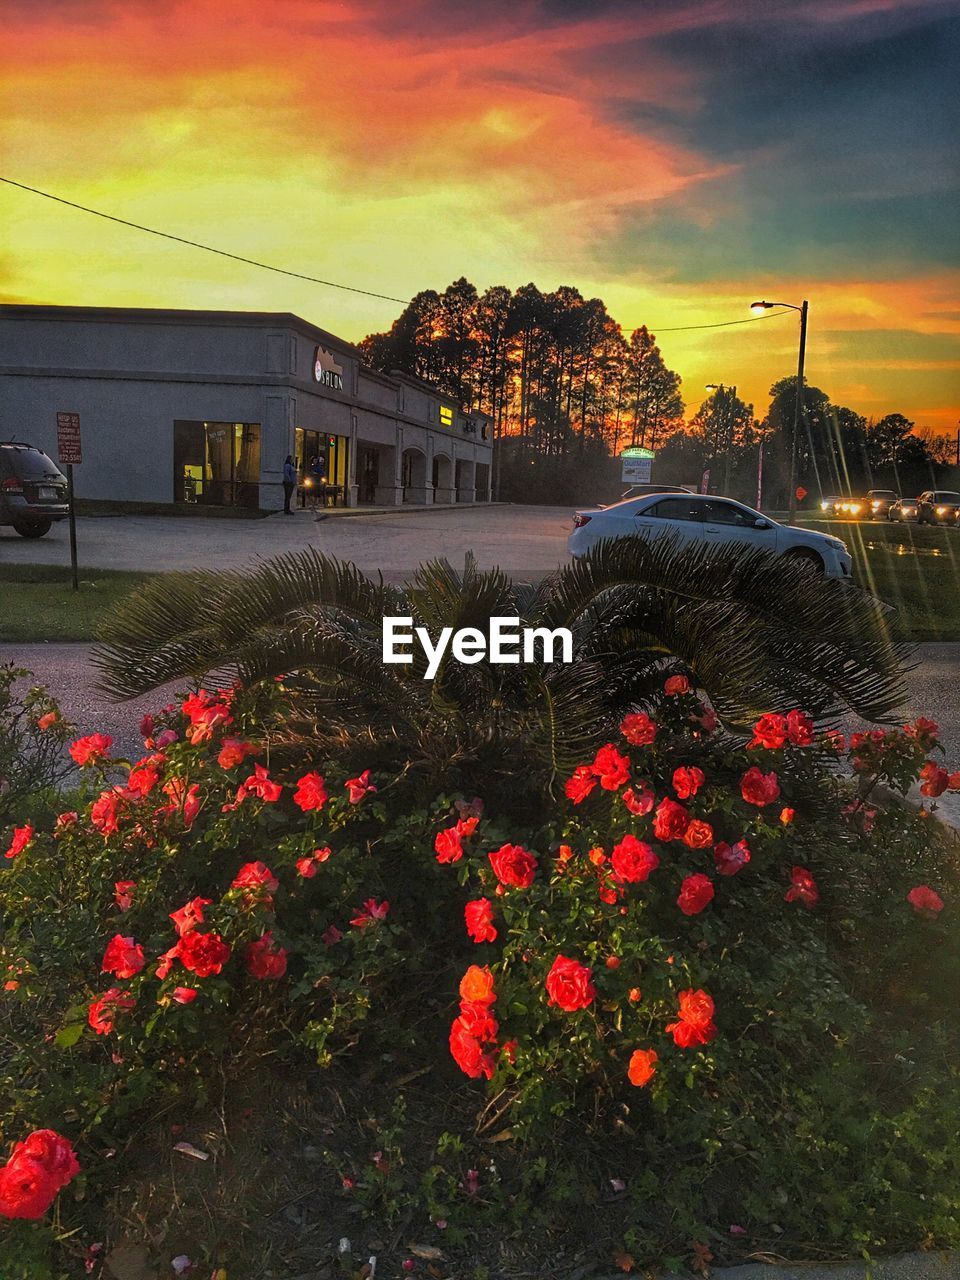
[[299, 275], [195, 244], [720, 324]]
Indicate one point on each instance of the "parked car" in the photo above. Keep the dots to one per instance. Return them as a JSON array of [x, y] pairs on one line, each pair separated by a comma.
[[695, 520], [903, 509], [938, 506], [33, 489], [879, 502]]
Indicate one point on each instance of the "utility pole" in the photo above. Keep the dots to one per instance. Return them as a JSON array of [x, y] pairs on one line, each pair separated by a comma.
[[797, 414]]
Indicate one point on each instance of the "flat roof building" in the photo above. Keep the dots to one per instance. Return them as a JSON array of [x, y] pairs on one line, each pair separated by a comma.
[[204, 406]]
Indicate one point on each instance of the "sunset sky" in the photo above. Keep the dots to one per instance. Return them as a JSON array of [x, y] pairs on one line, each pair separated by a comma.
[[677, 158]]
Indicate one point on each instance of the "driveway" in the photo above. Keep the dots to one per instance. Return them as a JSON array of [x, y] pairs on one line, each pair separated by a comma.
[[933, 687], [520, 539]]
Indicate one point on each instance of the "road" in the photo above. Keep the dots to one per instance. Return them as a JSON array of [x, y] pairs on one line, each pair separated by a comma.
[[934, 691], [519, 539]]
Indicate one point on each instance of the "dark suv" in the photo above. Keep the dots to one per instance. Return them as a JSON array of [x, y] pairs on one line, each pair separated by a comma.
[[938, 506], [33, 489]]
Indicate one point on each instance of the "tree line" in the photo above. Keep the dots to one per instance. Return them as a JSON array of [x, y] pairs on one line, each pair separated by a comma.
[[567, 388]]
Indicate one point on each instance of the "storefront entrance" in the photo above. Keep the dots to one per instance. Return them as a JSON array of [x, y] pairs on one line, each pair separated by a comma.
[[217, 463], [322, 467]]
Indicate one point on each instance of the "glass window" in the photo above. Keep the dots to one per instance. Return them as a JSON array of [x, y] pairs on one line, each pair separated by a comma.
[[675, 509], [729, 513], [446, 416]]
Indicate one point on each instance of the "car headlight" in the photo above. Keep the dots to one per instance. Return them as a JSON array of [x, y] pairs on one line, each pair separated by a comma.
[[875, 506], [941, 511], [824, 506], [854, 508]]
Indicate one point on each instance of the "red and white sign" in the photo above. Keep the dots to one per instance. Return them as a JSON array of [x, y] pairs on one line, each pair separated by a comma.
[[705, 481], [68, 439]]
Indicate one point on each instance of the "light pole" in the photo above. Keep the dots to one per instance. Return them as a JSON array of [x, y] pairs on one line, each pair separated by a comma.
[[798, 404], [731, 400]]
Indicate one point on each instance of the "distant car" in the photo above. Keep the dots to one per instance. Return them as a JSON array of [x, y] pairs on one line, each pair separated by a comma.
[[33, 489], [903, 509], [879, 502], [696, 520], [829, 504], [938, 506]]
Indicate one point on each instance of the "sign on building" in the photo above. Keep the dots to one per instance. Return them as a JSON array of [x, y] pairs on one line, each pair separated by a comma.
[[69, 451], [326, 371], [635, 465]]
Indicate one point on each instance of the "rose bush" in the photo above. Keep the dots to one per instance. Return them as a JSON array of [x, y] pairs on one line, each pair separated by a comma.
[[695, 967]]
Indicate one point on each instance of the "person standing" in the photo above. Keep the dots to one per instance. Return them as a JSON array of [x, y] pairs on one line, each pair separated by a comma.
[[289, 483]]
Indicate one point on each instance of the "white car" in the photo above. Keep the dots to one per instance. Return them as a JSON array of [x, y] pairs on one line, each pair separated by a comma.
[[696, 519]]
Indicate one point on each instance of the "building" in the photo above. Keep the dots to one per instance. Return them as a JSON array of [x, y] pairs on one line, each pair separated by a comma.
[[203, 407]]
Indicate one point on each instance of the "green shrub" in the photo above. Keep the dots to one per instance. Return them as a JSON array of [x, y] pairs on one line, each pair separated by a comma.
[[801, 1009]]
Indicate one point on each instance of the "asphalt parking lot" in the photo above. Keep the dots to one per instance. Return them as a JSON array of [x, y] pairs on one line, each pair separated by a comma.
[[519, 539]]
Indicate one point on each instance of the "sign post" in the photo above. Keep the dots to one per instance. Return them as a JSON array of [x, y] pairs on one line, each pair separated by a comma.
[[69, 452]]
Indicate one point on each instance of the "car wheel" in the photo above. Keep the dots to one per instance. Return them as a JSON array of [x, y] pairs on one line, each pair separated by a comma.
[[809, 559], [32, 528]]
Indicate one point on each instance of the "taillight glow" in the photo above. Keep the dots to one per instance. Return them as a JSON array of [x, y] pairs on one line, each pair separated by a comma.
[[580, 520], [12, 485]]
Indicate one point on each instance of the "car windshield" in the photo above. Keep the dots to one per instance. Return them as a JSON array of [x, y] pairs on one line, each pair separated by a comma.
[[946, 496], [31, 464]]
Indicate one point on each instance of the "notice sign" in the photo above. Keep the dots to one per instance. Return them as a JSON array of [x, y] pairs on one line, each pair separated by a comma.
[[68, 439], [635, 465]]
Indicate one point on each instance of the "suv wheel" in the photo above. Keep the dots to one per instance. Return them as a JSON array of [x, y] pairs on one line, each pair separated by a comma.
[[32, 528]]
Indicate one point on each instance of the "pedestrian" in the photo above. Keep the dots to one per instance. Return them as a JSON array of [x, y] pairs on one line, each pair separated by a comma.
[[289, 483]]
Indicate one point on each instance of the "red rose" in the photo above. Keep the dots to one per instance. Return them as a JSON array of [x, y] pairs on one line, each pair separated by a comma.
[[479, 919], [923, 731], [27, 1190], [799, 729], [262, 785], [731, 858], [770, 731], [202, 727], [257, 883], [759, 788], [310, 865], [448, 845], [674, 686], [933, 780], [695, 892], [579, 786], [91, 749], [612, 768], [184, 995], [357, 788], [104, 810], [632, 860], [47, 721], [476, 985], [698, 835], [233, 751], [190, 915], [695, 1023], [569, 985], [787, 815], [514, 865], [468, 1053], [203, 953], [803, 888], [123, 957], [687, 781], [925, 902], [141, 780], [52, 1152], [123, 894], [311, 793], [184, 800], [670, 820], [265, 960], [104, 1009], [372, 912], [642, 1067], [638, 729], [478, 1020], [21, 838], [639, 800]]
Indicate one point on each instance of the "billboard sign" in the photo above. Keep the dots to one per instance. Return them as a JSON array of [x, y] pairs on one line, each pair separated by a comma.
[[635, 465]]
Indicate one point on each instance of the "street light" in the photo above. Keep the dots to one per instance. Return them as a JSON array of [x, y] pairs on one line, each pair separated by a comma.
[[718, 389], [757, 307]]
